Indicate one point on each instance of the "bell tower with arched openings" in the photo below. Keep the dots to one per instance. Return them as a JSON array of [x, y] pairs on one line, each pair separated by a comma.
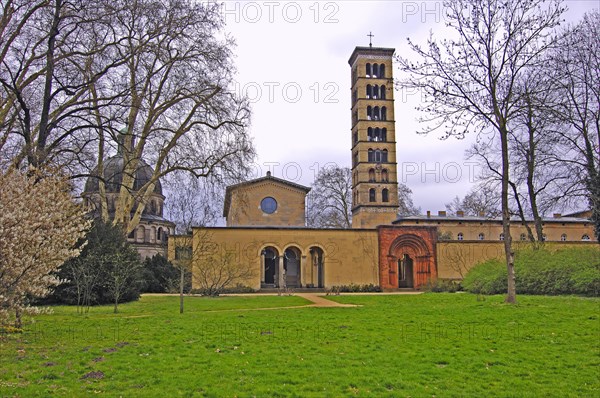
[[374, 168]]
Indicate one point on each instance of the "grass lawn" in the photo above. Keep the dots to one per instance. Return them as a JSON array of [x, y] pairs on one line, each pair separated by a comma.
[[443, 345]]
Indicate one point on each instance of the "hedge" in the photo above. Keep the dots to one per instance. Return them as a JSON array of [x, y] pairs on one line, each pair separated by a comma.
[[545, 272]]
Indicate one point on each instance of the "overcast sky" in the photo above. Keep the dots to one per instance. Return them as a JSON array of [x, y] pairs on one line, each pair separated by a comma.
[[292, 61]]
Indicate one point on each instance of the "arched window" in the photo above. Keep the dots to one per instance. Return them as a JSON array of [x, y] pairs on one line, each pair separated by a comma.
[[377, 135], [377, 155], [385, 195], [375, 92], [384, 175], [481, 236], [368, 70], [376, 113], [372, 195], [384, 134], [355, 159], [370, 134], [371, 175], [369, 113], [382, 92], [563, 237], [159, 234], [369, 91], [502, 236], [384, 156], [375, 70], [585, 237], [141, 234], [383, 113], [355, 137], [371, 157], [460, 236], [381, 72], [523, 237]]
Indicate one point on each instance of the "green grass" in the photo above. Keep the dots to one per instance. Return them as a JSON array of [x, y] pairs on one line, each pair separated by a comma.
[[443, 345]]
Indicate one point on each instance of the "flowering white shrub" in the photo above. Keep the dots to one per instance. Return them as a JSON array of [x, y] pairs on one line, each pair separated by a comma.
[[39, 226]]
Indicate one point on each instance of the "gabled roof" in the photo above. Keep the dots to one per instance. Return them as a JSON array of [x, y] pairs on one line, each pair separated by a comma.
[[267, 178]]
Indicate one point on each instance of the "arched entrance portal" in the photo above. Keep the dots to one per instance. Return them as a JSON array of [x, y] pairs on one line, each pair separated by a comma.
[[410, 262], [317, 267], [405, 272], [291, 266], [270, 267]]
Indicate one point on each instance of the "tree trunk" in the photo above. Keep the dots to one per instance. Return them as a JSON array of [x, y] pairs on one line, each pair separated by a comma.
[[18, 320], [530, 157], [181, 283], [39, 156], [511, 296]]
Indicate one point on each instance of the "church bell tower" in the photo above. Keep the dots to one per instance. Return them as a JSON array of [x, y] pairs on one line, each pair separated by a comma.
[[374, 167]]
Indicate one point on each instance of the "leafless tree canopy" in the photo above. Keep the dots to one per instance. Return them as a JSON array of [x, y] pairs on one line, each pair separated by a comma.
[[151, 79], [406, 207], [330, 199], [469, 83]]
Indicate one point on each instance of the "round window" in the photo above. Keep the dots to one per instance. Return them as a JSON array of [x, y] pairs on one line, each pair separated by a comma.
[[268, 205]]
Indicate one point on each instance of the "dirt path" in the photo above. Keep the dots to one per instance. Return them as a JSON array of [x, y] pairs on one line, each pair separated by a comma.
[[320, 301]]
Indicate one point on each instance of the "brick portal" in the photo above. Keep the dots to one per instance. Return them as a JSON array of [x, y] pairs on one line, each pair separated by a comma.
[[407, 256]]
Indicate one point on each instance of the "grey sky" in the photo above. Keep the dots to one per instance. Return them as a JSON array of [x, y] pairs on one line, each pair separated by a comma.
[[292, 62]]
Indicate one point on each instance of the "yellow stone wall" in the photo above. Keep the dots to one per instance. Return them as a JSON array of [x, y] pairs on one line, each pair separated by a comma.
[[350, 256], [455, 259], [366, 217], [245, 208]]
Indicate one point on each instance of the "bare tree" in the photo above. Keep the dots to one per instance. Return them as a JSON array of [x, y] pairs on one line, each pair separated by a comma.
[[120, 270], [468, 82], [174, 96], [39, 226], [216, 267], [330, 199], [482, 201], [406, 207], [149, 79], [51, 53], [198, 202], [577, 65], [192, 201]]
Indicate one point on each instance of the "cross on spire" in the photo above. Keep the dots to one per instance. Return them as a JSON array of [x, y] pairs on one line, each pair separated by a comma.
[[371, 36]]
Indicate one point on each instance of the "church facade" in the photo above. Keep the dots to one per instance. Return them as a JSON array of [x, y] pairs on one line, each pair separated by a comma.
[[266, 230]]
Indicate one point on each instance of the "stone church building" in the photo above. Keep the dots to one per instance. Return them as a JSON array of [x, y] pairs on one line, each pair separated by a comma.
[[265, 218], [151, 235]]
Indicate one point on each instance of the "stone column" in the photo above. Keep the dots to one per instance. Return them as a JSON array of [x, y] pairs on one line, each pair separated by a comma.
[[301, 269], [262, 267], [281, 274]]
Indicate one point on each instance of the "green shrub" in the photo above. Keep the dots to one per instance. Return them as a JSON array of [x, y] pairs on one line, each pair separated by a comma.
[[442, 285], [160, 276], [564, 271], [237, 289], [354, 288]]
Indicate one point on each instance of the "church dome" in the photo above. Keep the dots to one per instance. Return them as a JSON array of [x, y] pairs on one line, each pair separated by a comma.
[[113, 175]]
